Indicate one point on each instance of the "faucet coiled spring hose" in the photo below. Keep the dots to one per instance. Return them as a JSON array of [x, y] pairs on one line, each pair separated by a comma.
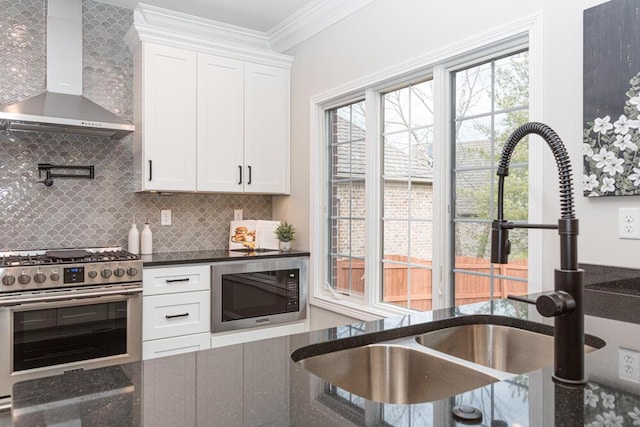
[[562, 161]]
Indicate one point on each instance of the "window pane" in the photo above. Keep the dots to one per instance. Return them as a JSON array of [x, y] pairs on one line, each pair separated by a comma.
[[347, 198], [473, 143], [420, 241], [512, 81], [472, 243], [408, 196], [396, 240], [421, 200], [473, 194], [396, 110], [421, 165], [397, 155], [422, 104], [348, 275], [473, 91], [504, 126], [407, 286], [491, 101], [516, 196], [470, 288]]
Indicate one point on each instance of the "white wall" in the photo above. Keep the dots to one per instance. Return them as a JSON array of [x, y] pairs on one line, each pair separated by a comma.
[[387, 32]]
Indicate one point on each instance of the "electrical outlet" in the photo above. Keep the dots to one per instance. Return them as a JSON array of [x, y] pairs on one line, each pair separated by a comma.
[[165, 217], [237, 214], [629, 364], [629, 223]]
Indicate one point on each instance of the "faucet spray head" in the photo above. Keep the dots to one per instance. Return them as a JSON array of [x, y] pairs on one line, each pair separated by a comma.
[[500, 243]]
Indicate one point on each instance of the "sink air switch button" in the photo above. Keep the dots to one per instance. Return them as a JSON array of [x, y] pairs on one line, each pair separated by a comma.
[[467, 413]]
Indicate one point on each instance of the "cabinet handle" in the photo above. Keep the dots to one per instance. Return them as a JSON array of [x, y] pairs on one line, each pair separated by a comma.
[[249, 176], [240, 169], [186, 279], [150, 170], [173, 316]]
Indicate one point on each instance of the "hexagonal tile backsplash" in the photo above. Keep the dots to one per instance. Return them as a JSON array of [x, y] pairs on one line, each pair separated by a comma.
[[82, 212]]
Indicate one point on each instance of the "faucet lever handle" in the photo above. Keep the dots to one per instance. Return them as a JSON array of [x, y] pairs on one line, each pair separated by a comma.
[[555, 304], [550, 305]]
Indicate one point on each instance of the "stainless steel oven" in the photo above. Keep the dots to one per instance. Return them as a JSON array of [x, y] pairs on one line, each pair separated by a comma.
[[59, 314], [262, 292]]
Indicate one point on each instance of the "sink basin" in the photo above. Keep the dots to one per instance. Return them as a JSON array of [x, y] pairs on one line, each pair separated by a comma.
[[435, 360], [504, 348], [395, 374]]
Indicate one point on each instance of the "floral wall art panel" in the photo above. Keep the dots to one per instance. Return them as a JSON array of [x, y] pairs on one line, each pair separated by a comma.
[[611, 134]]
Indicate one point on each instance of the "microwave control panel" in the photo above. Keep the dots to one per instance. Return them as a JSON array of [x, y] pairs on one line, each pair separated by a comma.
[[292, 283]]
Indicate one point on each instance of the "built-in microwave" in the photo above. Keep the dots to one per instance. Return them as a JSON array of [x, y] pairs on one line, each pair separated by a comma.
[[258, 292]]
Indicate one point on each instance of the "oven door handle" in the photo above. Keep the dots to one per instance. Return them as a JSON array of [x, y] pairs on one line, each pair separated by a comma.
[[69, 295]]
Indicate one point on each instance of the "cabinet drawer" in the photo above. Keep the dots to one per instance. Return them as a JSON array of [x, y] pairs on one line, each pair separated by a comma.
[[165, 316], [175, 345], [157, 281]]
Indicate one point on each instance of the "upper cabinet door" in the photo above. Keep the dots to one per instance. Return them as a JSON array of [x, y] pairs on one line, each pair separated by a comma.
[[169, 103], [266, 129], [220, 124]]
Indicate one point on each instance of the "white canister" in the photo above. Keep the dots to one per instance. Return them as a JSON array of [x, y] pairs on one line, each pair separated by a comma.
[[146, 240], [134, 239]]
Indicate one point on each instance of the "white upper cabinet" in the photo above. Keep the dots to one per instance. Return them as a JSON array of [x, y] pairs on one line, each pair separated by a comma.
[[210, 116], [266, 129], [243, 126], [167, 119], [220, 123]]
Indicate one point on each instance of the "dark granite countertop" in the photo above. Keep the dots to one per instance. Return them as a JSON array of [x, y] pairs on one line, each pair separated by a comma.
[[257, 383], [195, 257]]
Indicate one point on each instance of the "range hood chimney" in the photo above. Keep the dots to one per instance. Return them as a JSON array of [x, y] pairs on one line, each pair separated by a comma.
[[62, 108]]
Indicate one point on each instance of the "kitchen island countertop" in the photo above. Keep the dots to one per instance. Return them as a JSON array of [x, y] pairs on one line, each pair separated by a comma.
[[257, 383]]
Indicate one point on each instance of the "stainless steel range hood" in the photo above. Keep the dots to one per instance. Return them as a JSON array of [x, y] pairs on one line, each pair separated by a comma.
[[62, 108]]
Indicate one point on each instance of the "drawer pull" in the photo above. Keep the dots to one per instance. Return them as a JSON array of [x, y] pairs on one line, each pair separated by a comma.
[[173, 316], [186, 279]]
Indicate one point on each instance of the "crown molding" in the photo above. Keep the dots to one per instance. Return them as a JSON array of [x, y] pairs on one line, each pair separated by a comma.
[[310, 20], [159, 25], [164, 26]]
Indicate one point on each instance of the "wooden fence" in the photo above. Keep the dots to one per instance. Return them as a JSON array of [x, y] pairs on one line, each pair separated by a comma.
[[468, 288]]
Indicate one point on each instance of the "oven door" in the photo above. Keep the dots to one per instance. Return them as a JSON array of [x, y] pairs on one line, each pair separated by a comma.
[[258, 293], [48, 333]]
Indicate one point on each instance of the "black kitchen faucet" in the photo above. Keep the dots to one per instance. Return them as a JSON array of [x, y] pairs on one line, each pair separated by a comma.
[[566, 303]]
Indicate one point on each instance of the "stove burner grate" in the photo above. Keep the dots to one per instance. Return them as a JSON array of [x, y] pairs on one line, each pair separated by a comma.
[[63, 256]]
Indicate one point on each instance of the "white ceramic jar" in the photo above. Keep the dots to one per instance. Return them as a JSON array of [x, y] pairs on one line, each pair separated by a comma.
[[146, 240]]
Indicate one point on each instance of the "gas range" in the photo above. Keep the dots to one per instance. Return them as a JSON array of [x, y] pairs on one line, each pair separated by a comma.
[[67, 309], [32, 270]]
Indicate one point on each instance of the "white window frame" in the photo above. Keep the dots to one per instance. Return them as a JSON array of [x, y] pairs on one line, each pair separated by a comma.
[[524, 33]]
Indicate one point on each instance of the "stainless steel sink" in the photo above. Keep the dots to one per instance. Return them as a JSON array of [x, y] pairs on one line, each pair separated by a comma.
[[504, 348], [392, 373], [455, 356]]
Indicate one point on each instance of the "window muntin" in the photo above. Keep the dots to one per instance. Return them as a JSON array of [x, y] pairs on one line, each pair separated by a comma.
[[347, 198], [491, 99]]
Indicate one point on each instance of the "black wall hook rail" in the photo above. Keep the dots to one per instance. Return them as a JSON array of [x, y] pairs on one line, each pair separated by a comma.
[[47, 167]]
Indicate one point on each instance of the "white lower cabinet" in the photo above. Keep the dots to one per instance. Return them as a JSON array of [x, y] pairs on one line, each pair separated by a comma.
[[175, 319], [175, 345]]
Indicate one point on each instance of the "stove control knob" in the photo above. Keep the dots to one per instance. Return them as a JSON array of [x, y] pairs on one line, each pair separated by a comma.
[[8, 280], [106, 273], [93, 274], [24, 279], [39, 277], [132, 271], [54, 277], [119, 272]]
